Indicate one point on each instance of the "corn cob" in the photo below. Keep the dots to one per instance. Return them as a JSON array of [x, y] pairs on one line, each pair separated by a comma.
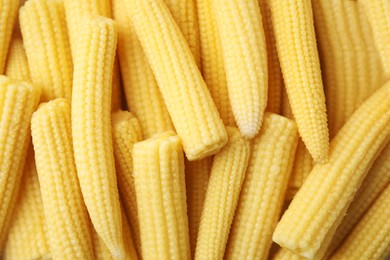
[[8, 14], [141, 90], [197, 177], [18, 100], [263, 191], [376, 181], [65, 212], [351, 65], [161, 197], [212, 60], [275, 79], [185, 93], [92, 138], [125, 132], [17, 65], [244, 53], [378, 14], [185, 15], [296, 44], [27, 237], [226, 177], [307, 222], [370, 238], [47, 47]]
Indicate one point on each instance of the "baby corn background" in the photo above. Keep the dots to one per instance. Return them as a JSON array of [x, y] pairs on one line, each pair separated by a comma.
[[195, 129]]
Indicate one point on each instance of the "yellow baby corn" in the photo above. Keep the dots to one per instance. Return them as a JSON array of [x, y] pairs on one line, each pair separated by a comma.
[[370, 238], [275, 79], [8, 15], [141, 90], [297, 51], [197, 177], [18, 100], [284, 254], [47, 47], [17, 64], [351, 65], [378, 14], [244, 53], [100, 249], [185, 15], [376, 181], [92, 139], [125, 132], [330, 187], [212, 65], [226, 177], [65, 212], [262, 194], [161, 197], [27, 237], [185, 93]]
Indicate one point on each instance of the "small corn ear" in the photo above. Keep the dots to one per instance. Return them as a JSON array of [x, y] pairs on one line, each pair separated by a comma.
[[141, 90], [8, 15], [185, 93], [18, 100], [47, 46], [91, 131], [296, 44], [161, 197], [245, 58], [125, 132], [27, 237], [226, 177], [330, 187], [17, 64], [264, 188], [370, 238], [65, 212], [197, 177], [212, 66]]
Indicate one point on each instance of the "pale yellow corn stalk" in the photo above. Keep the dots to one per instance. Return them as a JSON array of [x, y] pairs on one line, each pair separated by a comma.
[[370, 238], [197, 177], [17, 64], [296, 44], [375, 182], [8, 15], [91, 131], [264, 188], [158, 165], [330, 187], [27, 238], [226, 178], [185, 14], [47, 47], [125, 132], [245, 58], [378, 14], [351, 65], [275, 79], [212, 65], [185, 93], [66, 215], [18, 100], [141, 90]]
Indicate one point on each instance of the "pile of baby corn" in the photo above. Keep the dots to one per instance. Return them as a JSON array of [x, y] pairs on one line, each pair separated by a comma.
[[194, 129]]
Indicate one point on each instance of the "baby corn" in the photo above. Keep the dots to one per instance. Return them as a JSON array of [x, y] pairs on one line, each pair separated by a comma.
[[330, 187], [17, 64], [296, 44], [185, 93], [226, 177], [263, 191], [92, 139], [161, 197], [47, 46]]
